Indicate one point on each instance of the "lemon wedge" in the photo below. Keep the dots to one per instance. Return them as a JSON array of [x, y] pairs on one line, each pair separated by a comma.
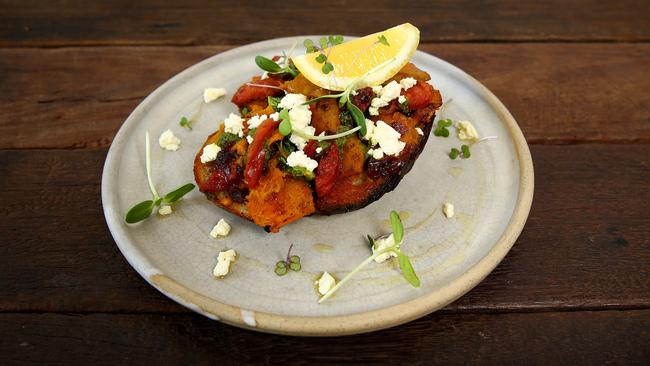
[[367, 58]]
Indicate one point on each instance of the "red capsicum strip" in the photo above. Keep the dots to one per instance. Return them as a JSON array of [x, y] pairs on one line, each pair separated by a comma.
[[256, 153]]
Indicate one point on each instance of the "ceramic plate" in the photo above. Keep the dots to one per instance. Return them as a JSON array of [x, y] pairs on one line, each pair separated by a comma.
[[491, 191]]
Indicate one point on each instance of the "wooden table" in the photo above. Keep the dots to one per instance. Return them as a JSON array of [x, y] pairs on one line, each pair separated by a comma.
[[575, 288]]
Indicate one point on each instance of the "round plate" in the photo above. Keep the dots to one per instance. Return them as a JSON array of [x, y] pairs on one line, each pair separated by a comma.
[[491, 191]]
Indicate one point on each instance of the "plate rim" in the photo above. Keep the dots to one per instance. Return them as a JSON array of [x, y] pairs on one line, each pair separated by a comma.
[[363, 322]]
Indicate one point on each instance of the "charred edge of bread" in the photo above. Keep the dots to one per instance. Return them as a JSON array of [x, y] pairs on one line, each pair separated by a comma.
[[392, 181]]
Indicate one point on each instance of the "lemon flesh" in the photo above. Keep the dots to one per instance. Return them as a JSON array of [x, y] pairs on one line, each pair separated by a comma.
[[365, 58]]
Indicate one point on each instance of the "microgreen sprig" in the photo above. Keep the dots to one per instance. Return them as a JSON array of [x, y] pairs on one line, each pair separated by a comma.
[[464, 149], [144, 209], [292, 262], [442, 129], [272, 67], [404, 262], [322, 58]]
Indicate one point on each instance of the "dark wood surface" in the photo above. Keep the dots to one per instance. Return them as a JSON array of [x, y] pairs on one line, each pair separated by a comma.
[[575, 288]]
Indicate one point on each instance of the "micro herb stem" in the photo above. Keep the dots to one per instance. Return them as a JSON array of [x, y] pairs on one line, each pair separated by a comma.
[[148, 165], [327, 137], [347, 277]]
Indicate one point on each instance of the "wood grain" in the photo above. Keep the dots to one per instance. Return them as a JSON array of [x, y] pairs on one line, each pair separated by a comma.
[[64, 23], [584, 245], [559, 93], [576, 338]]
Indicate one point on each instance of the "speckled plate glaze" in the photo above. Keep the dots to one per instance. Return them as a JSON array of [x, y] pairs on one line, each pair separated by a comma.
[[492, 193]]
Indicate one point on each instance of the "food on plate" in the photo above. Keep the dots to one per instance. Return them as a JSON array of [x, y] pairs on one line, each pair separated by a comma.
[[327, 132], [224, 260]]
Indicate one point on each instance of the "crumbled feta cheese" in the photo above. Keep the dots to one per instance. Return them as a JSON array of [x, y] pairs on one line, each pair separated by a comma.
[[377, 89], [448, 210], [234, 124], [325, 283], [224, 260], [407, 83], [265, 75], [401, 99], [384, 243], [165, 210], [419, 131], [249, 138], [378, 103], [212, 94], [168, 141], [377, 153], [318, 150], [222, 228], [292, 100], [256, 121], [387, 138], [300, 159], [210, 153], [391, 91], [466, 131], [373, 111], [275, 116], [354, 92], [370, 127]]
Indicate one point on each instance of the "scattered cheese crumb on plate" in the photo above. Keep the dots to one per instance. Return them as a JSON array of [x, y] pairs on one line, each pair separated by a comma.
[[168, 141], [466, 131], [224, 260], [222, 228], [165, 210], [383, 243], [448, 210], [325, 283], [212, 94]]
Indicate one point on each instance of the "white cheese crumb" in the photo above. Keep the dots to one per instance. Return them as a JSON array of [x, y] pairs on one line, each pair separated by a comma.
[[377, 153], [407, 83], [265, 75], [385, 95], [318, 150], [300, 159], [210, 153], [212, 94], [249, 138], [168, 141], [165, 210], [383, 243], [234, 124], [466, 131], [419, 131], [401, 99], [275, 116], [256, 121], [373, 111], [222, 228], [391, 91], [448, 210], [292, 100], [325, 283], [377, 89], [387, 138], [224, 260]]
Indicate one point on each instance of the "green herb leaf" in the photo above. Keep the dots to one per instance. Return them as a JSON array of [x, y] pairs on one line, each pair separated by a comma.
[[404, 107], [285, 125], [358, 117], [280, 271], [244, 111], [227, 138], [465, 150], [407, 269], [327, 68], [323, 42], [371, 241], [453, 154], [178, 193], [383, 40], [309, 44], [140, 212], [280, 264], [300, 172], [338, 39], [184, 122], [267, 64], [445, 122], [398, 229], [273, 102], [321, 58], [295, 266], [294, 259]]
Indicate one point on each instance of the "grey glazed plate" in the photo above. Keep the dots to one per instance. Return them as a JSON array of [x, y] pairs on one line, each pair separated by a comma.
[[492, 193]]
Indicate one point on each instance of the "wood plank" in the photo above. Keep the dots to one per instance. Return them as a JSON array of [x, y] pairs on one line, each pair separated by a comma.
[[63, 23], [576, 338], [584, 245], [559, 93]]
